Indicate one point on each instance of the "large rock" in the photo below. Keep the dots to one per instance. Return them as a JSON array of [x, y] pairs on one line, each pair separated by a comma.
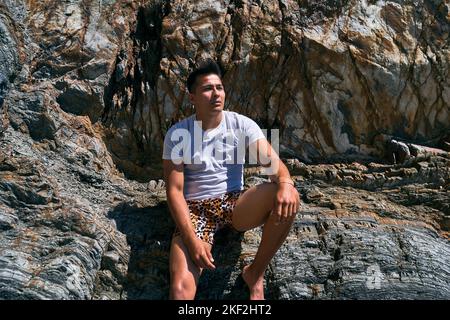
[[88, 90], [331, 76], [355, 244]]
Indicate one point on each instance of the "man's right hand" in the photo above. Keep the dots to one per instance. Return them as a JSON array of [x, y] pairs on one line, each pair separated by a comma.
[[200, 253]]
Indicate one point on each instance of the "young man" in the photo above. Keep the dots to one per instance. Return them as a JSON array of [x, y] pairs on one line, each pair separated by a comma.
[[203, 170]]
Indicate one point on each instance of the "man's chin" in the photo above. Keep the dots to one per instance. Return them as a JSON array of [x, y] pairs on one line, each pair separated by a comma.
[[217, 109]]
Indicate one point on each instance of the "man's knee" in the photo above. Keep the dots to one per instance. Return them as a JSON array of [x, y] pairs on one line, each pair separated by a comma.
[[182, 289]]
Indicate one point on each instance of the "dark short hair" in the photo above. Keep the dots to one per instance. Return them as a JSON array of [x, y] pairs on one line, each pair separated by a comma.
[[204, 68]]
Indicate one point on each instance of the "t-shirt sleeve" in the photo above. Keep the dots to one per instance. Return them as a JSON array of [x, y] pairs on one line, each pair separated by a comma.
[[252, 130], [171, 148]]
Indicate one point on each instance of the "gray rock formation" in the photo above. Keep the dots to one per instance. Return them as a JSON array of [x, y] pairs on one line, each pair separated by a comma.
[[88, 90], [354, 243]]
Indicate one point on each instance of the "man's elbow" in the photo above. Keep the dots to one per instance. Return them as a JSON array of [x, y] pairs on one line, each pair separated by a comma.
[[174, 191]]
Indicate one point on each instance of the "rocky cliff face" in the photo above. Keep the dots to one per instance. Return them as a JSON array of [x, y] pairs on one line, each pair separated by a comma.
[[332, 76], [88, 89]]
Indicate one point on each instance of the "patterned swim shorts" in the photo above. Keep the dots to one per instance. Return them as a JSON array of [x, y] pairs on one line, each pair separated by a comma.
[[211, 214]]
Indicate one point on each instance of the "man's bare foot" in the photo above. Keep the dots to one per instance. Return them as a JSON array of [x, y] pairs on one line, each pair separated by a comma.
[[255, 285]]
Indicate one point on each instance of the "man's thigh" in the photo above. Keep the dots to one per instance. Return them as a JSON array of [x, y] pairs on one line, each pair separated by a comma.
[[254, 206]]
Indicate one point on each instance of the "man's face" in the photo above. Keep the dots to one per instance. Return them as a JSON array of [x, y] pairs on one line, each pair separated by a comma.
[[209, 95]]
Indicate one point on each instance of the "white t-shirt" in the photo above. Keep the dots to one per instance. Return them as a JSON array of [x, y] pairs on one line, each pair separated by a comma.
[[213, 159]]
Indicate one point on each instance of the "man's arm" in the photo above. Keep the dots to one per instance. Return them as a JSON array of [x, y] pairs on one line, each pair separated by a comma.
[[174, 178], [287, 200]]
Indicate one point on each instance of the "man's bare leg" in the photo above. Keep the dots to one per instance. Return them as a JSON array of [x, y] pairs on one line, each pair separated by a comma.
[[252, 210], [184, 274]]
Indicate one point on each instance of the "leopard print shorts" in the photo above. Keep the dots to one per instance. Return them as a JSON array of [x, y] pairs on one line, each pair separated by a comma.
[[212, 214]]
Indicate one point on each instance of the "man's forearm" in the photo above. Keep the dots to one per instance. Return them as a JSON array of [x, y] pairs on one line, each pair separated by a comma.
[[282, 175], [180, 213], [270, 162]]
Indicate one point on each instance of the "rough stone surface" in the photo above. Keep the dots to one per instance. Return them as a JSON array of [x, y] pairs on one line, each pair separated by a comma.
[[358, 89], [331, 76], [358, 244]]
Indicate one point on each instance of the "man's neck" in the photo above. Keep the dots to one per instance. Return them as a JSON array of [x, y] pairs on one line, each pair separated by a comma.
[[209, 121]]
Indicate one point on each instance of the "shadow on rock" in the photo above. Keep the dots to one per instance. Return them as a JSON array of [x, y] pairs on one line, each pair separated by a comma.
[[223, 283], [149, 232]]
